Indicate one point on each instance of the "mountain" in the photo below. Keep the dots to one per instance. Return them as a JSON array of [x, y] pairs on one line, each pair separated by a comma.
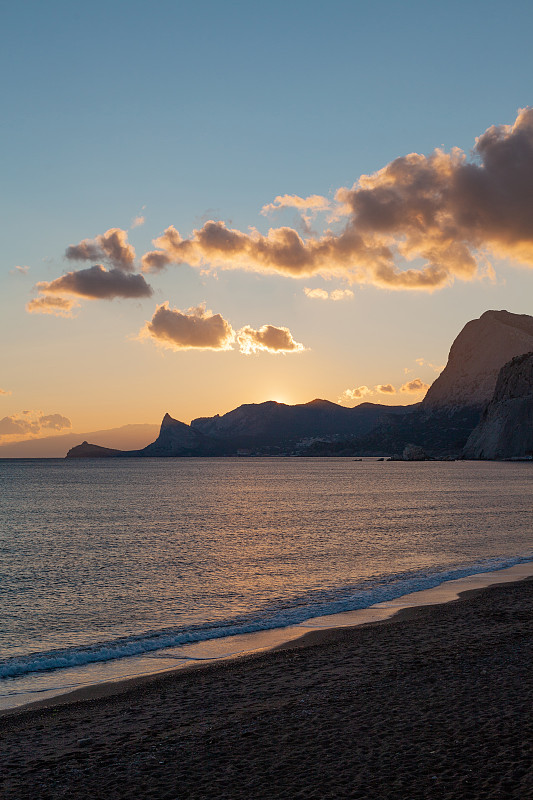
[[443, 422], [272, 424], [476, 357], [506, 427], [265, 427], [178, 439], [440, 425], [127, 437]]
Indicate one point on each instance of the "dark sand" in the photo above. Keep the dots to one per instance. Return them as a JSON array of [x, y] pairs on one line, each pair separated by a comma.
[[435, 703]]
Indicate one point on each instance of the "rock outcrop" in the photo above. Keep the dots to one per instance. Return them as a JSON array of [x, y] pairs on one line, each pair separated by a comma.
[[178, 439], [506, 426], [86, 450], [476, 357]]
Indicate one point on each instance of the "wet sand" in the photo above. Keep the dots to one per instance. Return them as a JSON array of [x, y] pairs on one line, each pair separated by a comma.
[[433, 703]]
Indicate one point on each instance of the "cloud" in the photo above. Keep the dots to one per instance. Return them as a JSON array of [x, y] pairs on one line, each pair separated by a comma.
[[196, 328], [14, 425], [354, 394], [386, 388], [340, 294], [20, 270], [416, 385], [111, 247], [98, 283], [48, 304], [322, 294], [314, 203], [138, 221], [31, 422], [268, 339], [55, 422], [316, 294], [200, 329], [4, 391], [423, 363], [443, 209]]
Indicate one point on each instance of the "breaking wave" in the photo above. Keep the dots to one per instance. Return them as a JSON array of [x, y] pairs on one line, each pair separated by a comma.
[[279, 615]]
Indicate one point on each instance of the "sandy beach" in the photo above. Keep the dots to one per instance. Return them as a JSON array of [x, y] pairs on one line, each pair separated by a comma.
[[434, 703]]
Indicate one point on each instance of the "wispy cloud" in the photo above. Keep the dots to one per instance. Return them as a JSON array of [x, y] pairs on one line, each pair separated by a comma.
[[5, 391], [48, 304], [423, 363], [323, 294], [21, 270], [447, 210], [314, 203]]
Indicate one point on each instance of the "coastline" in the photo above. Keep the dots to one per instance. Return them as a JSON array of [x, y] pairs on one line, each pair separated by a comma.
[[431, 702], [206, 654]]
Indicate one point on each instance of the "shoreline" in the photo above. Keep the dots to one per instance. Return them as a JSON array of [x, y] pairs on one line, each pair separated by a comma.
[[432, 702], [250, 645]]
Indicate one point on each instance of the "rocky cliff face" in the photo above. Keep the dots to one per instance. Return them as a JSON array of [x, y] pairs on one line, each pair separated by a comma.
[[476, 357], [177, 439], [506, 427]]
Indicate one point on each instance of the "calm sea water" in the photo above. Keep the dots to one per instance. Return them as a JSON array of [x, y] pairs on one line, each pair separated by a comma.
[[104, 561]]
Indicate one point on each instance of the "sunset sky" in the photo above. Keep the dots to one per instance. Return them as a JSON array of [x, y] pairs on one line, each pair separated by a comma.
[[209, 204]]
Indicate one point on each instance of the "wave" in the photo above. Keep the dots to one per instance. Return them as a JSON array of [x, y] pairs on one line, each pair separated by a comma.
[[349, 598]]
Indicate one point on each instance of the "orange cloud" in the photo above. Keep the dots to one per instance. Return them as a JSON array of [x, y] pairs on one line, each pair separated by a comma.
[[4, 391], [322, 294], [314, 202], [416, 385], [48, 304], [355, 394], [442, 209], [97, 283], [31, 422], [55, 422], [111, 247], [386, 388], [316, 294], [268, 339]]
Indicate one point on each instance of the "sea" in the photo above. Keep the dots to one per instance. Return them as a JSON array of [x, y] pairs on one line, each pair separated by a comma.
[[115, 568]]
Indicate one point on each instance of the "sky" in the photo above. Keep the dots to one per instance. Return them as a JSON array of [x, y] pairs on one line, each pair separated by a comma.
[[212, 204]]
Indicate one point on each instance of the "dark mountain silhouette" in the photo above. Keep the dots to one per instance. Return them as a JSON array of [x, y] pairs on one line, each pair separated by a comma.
[[275, 424], [440, 425], [264, 426]]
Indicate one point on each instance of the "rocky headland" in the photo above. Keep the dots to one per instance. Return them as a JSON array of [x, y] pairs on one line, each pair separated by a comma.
[[506, 426]]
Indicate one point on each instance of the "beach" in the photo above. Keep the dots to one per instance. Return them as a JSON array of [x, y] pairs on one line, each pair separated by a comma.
[[432, 703]]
